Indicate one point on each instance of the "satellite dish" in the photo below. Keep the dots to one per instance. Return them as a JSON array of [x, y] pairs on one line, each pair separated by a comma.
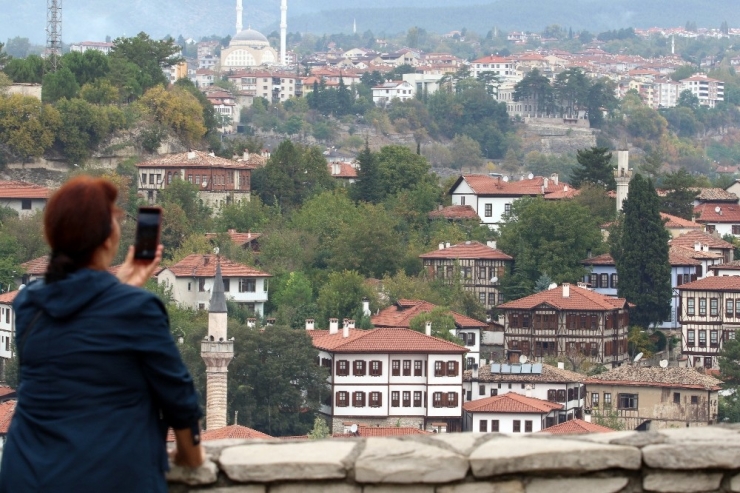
[[638, 357], [506, 178], [353, 428], [523, 359], [552, 286], [494, 279], [21, 287], [205, 183], [216, 250], [717, 209], [664, 363], [530, 176]]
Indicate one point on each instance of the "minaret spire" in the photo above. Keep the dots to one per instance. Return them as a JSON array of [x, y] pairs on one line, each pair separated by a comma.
[[283, 31], [238, 16]]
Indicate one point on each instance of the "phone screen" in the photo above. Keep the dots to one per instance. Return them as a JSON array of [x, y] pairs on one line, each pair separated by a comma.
[[147, 232]]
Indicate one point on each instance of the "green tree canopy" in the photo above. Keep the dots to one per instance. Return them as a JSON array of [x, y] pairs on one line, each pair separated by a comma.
[[148, 56], [594, 167], [443, 325]]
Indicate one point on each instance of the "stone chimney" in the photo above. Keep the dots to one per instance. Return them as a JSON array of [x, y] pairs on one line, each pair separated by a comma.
[[428, 330], [447, 244], [351, 324], [345, 330], [697, 247], [345, 323], [546, 182], [366, 307], [309, 324], [491, 244], [335, 168], [561, 365], [566, 290], [333, 326], [441, 245], [191, 154], [528, 391], [554, 178], [251, 322]]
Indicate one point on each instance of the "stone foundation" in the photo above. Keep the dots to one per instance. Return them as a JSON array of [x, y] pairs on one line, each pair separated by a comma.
[[677, 460], [337, 424]]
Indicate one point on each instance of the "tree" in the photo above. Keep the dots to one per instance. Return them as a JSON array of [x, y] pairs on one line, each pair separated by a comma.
[[679, 201], [640, 251], [443, 325], [466, 152], [597, 200], [341, 295], [571, 88], [401, 169], [535, 87], [320, 429], [27, 126], [4, 57], [25, 70], [595, 167], [148, 56], [687, 100], [18, 47], [100, 92], [87, 67], [729, 357], [369, 184], [177, 109], [58, 85]]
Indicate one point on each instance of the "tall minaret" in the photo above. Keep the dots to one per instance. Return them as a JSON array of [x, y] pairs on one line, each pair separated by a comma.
[[622, 175], [238, 16], [217, 352], [283, 31], [354, 26]]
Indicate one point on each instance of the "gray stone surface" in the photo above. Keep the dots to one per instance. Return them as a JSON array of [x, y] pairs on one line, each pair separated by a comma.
[[697, 455], [529, 455], [205, 474], [244, 488], [735, 484], [678, 482], [463, 443], [577, 485], [269, 462], [702, 434], [484, 487], [316, 488], [388, 460], [397, 488]]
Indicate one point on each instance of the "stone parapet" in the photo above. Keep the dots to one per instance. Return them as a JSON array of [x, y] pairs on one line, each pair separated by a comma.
[[674, 460]]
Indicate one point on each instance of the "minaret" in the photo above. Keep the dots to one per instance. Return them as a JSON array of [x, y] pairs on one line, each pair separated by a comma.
[[354, 26], [217, 352], [238, 16], [622, 175], [283, 31]]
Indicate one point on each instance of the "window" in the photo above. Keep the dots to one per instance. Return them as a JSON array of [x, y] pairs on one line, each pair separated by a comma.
[[451, 399], [439, 369], [358, 369], [26, 204], [407, 368], [528, 426], [594, 280], [604, 280], [437, 399], [376, 368], [494, 392], [482, 273], [247, 285], [481, 390], [627, 401], [452, 368], [395, 396], [202, 284], [169, 177], [342, 368], [489, 210], [462, 199], [713, 307], [595, 399], [677, 397], [702, 306], [713, 338], [552, 395], [507, 208], [607, 399], [702, 338], [227, 285], [690, 338], [417, 368], [690, 308], [406, 398], [729, 307], [358, 399], [190, 178], [561, 395], [466, 272], [694, 399], [342, 399], [470, 339], [736, 229], [376, 399], [494, 425], [517, 428], [492, 299], [737, 307], [482, 298], [483, 427], [189, 286], [396, 368], [615, 281], [417, 399]]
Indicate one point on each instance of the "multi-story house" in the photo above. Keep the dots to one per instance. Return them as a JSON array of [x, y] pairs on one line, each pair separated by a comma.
[[247, 241], [204, 77], [503, 68], [492, 196], [388, 91], [666, 92], [220, 181], [191, 281], [273, 86], [400, 315], [714, 248], [100, 46], [510, 413], [477, 266], [709, 91], [389, 377], [720, 218], [24, 198], [541, 381], [7, 324], [567, 321], [651, 397], [677, 226], [710, 315], [224, 104]]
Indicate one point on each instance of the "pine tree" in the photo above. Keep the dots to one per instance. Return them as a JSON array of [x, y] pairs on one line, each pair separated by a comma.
[[594, 167], [369, 185], [641, 255]]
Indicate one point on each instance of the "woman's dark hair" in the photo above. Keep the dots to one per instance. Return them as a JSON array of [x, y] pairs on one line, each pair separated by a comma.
[[77, 220]]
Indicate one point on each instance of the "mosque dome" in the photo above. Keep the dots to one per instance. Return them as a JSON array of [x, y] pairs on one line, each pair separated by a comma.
[[249, 36]]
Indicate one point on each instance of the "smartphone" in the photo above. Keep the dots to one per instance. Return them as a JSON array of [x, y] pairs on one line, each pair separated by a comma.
[[148, 226]]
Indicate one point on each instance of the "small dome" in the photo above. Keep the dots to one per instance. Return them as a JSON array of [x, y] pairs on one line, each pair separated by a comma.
[[250, 35]]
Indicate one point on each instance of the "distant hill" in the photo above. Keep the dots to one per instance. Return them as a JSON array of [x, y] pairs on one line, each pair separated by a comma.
[[94, 19]]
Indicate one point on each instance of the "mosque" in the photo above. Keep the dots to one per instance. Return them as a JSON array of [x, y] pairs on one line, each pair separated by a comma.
[[249, 48]]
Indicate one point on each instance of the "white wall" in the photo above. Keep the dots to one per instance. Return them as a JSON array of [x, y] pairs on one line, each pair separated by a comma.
[[185, 290], [506, 421], [7, 327], [17, 205]]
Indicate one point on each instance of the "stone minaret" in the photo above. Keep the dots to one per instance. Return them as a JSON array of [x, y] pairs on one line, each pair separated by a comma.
[[283, 32], [217, 352], [622, 175], [238, 16]]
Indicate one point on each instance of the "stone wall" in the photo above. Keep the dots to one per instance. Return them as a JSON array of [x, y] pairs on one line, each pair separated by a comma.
[[676, 460], [337, 424]]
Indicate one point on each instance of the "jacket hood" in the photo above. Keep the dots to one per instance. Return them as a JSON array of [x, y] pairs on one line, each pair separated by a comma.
[[68, 296]]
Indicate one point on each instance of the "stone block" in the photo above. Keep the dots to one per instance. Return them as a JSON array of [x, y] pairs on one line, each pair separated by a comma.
[[696, 455], [483, 487], [577, 485], [735, 484], [397, 488], [205, 474], [316, 488], [293, 461], [388, 460], [244, 488], [520, 455], [464, 443], [720, 434], [679, 482]]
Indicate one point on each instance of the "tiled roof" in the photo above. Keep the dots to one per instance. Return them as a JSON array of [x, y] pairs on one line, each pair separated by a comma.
[[232, 431], [511, 402], [734, 265], [7, 409], [715, 194], [654, 376], [675, 222], [36, 266], [197, 265], [469, 250], [239, 239], [486, 185], [22, 190], [383, 340], [5, 390], [603, 259], [681, 256], [713, 212], [197, 159], [714, 283], [7, 298], [578, 299], [455, 212], [492, 59], [401, 314], [549, 374], [576, 427], [690, 238], [383, 431], [345, 170], [696, 254]]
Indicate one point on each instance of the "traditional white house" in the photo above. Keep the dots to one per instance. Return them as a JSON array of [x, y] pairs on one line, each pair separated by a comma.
[[7, 324], [503, 68], [385, 93], [389, 377], [510, 413], [714, 248], [721, 218], [538, 380], [24, 198], [191, 281]]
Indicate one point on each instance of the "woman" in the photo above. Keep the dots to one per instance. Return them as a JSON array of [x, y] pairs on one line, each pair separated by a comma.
[[100, 376]]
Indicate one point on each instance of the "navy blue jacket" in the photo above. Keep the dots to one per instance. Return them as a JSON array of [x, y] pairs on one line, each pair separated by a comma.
[[100, 381]]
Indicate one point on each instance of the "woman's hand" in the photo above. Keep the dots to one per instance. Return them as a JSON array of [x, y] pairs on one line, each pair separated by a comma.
[[186, 453], [137, 272]]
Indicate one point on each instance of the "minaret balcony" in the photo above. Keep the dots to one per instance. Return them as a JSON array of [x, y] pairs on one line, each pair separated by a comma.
[[214, 347]]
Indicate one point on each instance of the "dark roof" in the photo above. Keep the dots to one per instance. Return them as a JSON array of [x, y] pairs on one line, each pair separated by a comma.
[[654, 376], [218, 299]]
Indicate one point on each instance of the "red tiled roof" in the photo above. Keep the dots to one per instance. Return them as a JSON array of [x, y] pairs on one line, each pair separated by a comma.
[[681, 256], [576, 427], [734, 265], [603, 259], [486, 185], [383, 431], [469, 250], [492, 59], [345, 170], [239, 239], [401, 314], [197, 265], [7, 409], [578, 299], [199, 159], [36, 266], [675, 222], [713, 283], [383, 340], [511, 402], [8, 298], [455, 212], [22, 190], [696, 254], [5, 390], [708, 213], [233, 431], [690, 238]]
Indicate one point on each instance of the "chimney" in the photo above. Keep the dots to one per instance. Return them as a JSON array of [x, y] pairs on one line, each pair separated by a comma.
[[269, 321], [333, 326], [232, 231], [554, 178], [366, 307], [191, 154], [212, 154], [447, 244], [441, 245], [543, 189], [309, 324], [697, 247], [206, 259], [345, 330], [491, 244], [500, 320], [245, 156], [566, 290], [528, 391], [705, 248], [351, 324], [251, 322], [335, 168], [546, 183], [565, 188], [428, 330], [561, 365], [475, 371]]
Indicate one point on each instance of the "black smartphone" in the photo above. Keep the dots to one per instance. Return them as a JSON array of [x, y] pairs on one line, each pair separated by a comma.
[[148, 226]]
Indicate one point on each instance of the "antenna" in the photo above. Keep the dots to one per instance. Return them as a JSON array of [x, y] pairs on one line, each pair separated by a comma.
[[552, 286], [353, 429], [638, 357], [530, 176], [717, 209], [216, 250], [54, 32], [205, 183], [523, 359], [494, 280], [664, 363]]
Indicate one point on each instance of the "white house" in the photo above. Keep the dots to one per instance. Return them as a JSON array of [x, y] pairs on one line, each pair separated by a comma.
[[100, 46], [388, 91], [388, 377], [541, 381], [24, 198], [504, 68], [191, 281], [709, 91], [7, 324], [510, 413], [721, 218], [425, 84], [714, 248]]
